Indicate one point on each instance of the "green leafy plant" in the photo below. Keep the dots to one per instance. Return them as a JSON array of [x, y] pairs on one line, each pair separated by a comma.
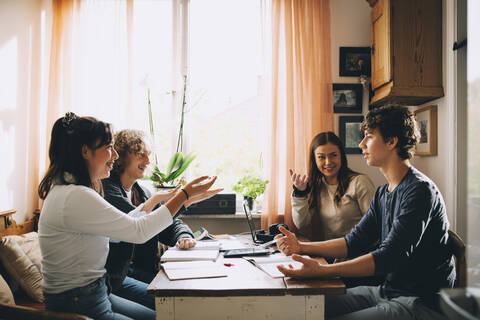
[[178, 162], [250, 186], [177, 165]]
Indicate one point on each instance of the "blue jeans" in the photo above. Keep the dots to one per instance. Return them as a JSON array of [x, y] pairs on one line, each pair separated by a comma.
[[141, 275], [94, 301], [135, 290], [366, 303]]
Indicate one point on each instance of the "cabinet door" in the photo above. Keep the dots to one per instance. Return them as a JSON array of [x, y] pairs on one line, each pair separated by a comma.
[[381, 51]]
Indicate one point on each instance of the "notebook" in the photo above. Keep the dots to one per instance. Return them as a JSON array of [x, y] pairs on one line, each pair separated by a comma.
[[174, 254], [269, 263], [193, 270]]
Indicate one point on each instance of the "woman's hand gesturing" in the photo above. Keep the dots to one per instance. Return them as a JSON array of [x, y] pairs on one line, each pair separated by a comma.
[[199, 185], [299, 181]]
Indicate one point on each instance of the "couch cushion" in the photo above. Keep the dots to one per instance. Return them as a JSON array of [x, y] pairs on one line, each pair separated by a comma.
[[30, 245], [13, 255], [6, 295]]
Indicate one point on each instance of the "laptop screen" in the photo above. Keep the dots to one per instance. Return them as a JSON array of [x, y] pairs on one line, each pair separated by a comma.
[[251, 225]]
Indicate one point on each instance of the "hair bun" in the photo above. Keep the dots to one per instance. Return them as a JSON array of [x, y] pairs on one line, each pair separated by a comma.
[[68, 120]]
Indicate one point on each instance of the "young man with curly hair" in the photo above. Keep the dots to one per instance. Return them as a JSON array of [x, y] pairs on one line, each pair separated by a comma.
[[407, 216], [132, 267]]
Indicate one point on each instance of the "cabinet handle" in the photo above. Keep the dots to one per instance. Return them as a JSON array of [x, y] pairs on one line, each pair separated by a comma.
[[373, 49]]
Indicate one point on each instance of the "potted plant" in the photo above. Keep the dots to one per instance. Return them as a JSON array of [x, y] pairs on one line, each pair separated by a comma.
[[178, 162], [177, 165], [250, 187]]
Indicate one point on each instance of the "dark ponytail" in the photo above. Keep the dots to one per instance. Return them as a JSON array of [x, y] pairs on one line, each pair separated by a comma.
[[69, 134]]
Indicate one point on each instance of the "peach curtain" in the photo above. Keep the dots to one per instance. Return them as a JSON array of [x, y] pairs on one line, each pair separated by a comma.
[[301, 96], [68, 52]]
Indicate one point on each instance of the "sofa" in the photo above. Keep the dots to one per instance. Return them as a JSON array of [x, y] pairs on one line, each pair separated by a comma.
[[21, 294]]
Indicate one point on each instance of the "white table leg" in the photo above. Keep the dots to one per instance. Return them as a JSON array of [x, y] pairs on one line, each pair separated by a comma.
[[165, 308], [315, 307]]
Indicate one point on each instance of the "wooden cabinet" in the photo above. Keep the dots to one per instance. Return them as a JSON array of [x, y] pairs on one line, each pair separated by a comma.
[[406, 40]]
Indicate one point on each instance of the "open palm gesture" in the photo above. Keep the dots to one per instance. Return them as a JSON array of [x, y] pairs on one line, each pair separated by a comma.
[[300, 181]]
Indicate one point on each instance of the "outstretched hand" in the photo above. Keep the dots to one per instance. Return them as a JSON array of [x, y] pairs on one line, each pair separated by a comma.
[[165, 195], [289, 244], [199, 185], [201, 197], [310, 268], [300, 181]]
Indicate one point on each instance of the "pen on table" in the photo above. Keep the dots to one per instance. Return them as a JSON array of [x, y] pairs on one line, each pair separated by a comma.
[[269, 243]]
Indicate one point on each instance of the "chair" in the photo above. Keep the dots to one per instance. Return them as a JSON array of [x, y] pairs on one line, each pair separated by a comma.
[[457, 246]]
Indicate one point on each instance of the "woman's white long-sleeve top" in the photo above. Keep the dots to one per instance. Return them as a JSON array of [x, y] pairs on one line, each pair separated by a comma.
[[336, 220], [74, 229]]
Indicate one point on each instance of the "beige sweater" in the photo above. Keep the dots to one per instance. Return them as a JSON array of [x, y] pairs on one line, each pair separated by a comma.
[[336, 221]]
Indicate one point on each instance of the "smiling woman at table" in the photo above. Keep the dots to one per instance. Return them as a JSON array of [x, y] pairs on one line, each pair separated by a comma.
[[333, 191], [76, 222]]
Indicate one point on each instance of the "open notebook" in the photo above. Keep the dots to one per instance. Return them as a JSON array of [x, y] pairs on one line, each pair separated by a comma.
[[269, 263], [193, 270]]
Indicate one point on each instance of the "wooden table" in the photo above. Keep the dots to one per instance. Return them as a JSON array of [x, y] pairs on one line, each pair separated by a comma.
[[246, 293]]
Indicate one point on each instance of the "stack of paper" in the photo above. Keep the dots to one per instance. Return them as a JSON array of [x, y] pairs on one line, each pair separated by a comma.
[[269, 263], [193, 270], [204, 250]]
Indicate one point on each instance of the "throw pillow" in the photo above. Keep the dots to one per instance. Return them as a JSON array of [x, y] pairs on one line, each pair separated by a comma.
[[20, 267], [30, 245], [6, 295]]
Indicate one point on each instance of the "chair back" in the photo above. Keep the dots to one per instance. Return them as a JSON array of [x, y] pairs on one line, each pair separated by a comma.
[[457, 246]]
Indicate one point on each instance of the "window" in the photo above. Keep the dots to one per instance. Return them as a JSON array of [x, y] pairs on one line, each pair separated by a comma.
[[120, 54], [225, 115]]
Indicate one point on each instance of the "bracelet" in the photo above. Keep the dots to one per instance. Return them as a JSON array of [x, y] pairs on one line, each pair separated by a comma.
[[186, 194]]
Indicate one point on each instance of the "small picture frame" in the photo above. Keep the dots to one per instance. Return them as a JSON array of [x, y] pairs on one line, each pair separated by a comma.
[[427, 124], [355, 61], [350, 133], [347, 98]]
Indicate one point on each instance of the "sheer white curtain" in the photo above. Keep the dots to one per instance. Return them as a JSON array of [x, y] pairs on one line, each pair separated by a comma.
[[90, 70], [110, 53]]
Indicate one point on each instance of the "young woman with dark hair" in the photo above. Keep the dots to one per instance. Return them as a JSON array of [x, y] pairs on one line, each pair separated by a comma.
[[76, 222], [332, 190]]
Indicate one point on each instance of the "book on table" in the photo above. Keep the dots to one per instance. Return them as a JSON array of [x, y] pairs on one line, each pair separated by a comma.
[[204, 250], [269, 263], [193, 270]]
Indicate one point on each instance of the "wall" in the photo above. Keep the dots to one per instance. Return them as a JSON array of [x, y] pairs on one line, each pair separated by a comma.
[[20, 84], [350, 27], [442, 168]]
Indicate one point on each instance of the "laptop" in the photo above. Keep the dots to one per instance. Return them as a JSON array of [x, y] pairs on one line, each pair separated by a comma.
[[257, 236], [249, 251]]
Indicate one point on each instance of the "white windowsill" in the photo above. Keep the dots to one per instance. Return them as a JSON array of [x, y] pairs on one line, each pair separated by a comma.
[[237, 215]]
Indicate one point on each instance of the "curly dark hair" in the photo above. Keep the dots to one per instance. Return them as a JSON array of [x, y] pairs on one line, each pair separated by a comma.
[[127, 142], [394, 121]]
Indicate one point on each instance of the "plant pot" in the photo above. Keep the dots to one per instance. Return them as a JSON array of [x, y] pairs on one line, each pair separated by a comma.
[[250, 202], [165, 187]]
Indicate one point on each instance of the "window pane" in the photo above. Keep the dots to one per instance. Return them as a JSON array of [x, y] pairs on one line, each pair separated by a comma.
[[226, 96], [152, 60]]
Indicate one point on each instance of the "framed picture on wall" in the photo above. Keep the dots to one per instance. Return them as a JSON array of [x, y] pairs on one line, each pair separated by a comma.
[[350, 133], [355, 61], [427, 123], [347, 98]]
